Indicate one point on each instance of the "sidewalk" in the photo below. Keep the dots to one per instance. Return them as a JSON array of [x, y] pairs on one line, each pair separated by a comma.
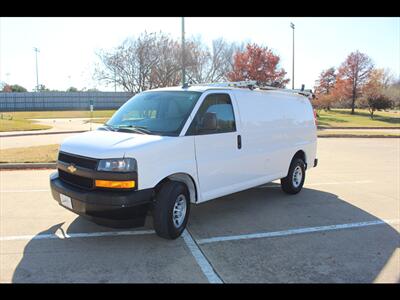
[[375, 130], [61, 125]]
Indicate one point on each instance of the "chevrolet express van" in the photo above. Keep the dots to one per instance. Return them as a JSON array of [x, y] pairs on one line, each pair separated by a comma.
[[168, 148]]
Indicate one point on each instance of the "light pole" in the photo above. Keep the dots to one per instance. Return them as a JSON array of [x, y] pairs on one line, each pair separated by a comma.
[[183, 52], [37, 72], [292, 26], [115, 80]]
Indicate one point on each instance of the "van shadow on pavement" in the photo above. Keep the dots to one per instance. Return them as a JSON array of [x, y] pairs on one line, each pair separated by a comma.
[[350, 255]]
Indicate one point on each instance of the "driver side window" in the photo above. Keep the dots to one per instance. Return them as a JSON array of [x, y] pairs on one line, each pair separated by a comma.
[[219, 105]]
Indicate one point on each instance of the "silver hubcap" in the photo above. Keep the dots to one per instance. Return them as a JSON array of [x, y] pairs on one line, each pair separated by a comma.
[[297, 176], [179, 212]]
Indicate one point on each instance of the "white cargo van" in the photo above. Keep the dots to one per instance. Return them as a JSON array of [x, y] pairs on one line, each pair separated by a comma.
[[167, 148]]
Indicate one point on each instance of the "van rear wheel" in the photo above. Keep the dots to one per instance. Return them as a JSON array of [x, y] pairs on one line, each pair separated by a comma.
[[171, 210], [293, 182]]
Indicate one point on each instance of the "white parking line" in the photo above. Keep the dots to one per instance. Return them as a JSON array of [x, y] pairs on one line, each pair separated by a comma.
[[63, 235], [343, 182], [318, 183], [205, 266], [295, 231], [261, 186], [23, 191]]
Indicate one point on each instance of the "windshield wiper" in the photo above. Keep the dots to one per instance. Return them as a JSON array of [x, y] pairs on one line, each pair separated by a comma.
[[140, 129], [109, 127]]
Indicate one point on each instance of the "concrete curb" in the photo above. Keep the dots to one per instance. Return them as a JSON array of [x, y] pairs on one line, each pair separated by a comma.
[[358, 136], [41, 133], [392, 127], [22, 166]]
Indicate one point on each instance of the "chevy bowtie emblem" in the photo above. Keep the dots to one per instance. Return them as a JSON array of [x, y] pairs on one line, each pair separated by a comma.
[[71, 168]]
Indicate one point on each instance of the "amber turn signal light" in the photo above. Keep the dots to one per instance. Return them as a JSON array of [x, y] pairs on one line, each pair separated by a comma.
[[115, 184]]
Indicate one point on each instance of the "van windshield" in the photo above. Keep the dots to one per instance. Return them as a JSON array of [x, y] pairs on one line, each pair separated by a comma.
[[161, 112]]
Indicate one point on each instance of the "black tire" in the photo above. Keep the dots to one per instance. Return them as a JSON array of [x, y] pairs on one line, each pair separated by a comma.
[[163, 210], [288, 184]]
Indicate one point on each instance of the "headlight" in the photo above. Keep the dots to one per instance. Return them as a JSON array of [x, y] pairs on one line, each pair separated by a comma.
[[117, 165]]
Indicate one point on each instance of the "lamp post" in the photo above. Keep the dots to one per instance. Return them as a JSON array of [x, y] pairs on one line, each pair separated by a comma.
[[292, 26], [183, 52], [8, 78], [115, 80], [37, 72]]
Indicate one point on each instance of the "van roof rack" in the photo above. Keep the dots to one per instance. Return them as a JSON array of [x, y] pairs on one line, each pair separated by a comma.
[[252, 84], [302, 91], [245, 84]]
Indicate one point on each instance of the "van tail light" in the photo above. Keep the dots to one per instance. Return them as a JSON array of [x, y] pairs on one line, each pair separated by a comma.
[[315, 118]]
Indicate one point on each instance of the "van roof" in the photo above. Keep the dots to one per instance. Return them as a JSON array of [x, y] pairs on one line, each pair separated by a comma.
[[203, 88]]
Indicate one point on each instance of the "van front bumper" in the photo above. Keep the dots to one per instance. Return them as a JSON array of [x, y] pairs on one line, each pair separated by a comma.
[[109, 208]]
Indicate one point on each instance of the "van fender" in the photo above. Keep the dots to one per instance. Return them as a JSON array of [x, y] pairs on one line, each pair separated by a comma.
[[189, 182], [297, 153], [184, 175]]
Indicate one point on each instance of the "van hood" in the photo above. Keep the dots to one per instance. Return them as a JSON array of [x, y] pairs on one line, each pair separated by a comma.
[[107, 144]]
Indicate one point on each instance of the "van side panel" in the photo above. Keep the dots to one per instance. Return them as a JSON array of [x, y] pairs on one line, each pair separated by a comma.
[[274, 126]]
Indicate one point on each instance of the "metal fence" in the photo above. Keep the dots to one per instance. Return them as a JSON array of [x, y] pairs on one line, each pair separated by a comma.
[[36, 101]]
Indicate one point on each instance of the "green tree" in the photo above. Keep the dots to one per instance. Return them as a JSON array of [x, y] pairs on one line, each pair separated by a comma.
[[377, 101], [72, 89], [43, 88]]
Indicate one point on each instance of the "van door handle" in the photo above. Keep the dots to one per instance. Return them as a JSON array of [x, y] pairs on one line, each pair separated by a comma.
[[239, 142]]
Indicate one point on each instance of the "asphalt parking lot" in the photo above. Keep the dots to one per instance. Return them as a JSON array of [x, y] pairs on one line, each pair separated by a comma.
[[342, 228]]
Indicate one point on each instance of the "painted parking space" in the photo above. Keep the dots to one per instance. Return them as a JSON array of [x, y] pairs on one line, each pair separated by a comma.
[[343, 227]]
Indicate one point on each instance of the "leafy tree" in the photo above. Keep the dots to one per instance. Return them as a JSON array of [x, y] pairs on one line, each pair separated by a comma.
[[7, 88], [323, 101], [260, 64], [72, 89], [341, 92], [323, 90], [353, 73], [393, 92], [14, 88], [373, 91], [377, 101], [43, 88], [326, 81]]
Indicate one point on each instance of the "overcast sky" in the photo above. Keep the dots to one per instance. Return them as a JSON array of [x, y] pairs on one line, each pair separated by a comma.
[[68, 45]]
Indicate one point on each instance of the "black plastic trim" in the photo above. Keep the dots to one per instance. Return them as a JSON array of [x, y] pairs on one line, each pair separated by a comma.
[[315, 162], [110, 208], [102, 175]]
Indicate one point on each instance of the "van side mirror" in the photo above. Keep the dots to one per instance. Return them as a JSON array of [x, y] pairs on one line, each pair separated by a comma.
[[209, 122]]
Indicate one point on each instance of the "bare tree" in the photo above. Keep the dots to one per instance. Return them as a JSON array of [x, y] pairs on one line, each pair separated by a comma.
[[154, 60], [167, 70], [211, 66], [131, 64]]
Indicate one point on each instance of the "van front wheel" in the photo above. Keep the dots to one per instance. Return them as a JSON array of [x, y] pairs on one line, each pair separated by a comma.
[[293, 182], [171, 210]]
